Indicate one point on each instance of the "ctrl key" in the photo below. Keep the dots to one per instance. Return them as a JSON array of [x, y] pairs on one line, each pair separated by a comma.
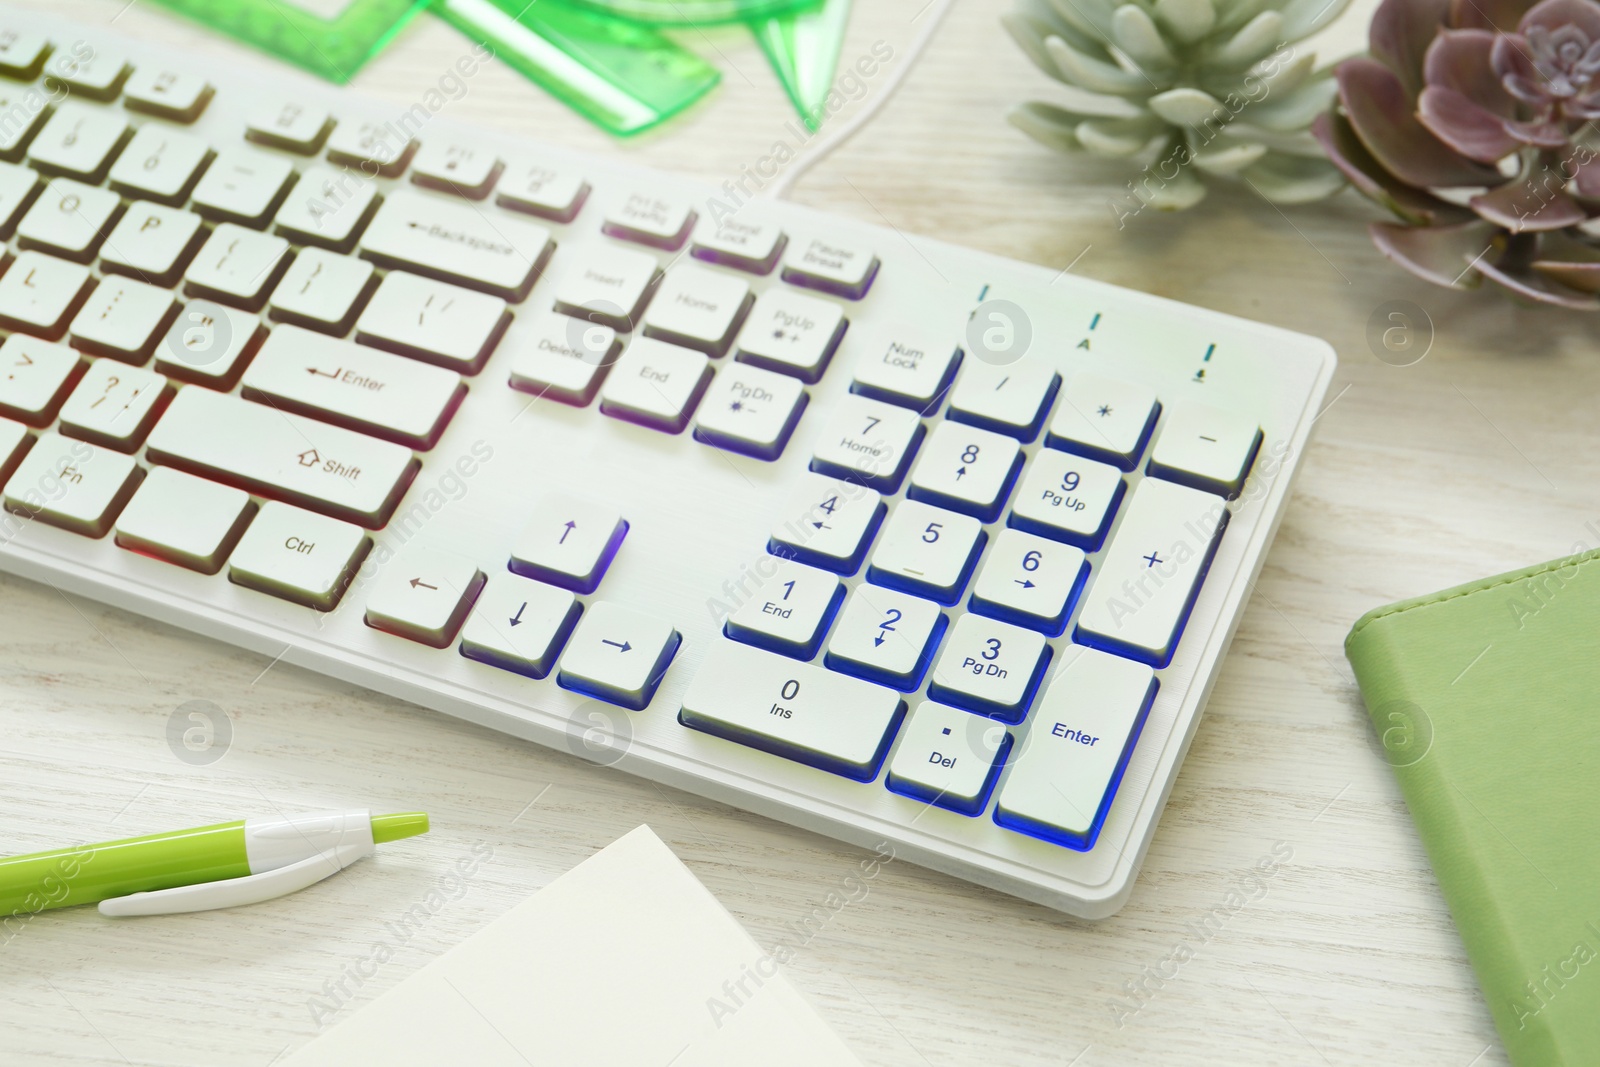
[[299, 555]]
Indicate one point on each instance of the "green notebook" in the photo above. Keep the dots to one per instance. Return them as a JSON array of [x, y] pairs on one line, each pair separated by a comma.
[[1487, 700]]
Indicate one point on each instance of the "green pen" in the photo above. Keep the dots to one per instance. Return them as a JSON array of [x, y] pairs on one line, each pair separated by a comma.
[[208, 867]]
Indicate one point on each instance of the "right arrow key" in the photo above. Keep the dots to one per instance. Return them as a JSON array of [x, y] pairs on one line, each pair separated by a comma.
[[618, 655]]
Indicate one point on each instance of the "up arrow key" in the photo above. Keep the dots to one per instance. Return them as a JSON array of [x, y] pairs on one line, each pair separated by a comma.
[[569, 542]]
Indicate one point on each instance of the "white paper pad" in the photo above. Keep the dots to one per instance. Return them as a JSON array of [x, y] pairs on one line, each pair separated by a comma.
[[617, 962]]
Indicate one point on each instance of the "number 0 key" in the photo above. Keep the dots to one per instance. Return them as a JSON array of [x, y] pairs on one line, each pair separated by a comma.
[[794, 710]]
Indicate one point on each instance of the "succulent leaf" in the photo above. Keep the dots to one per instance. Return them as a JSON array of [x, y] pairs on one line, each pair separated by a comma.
[[1302, 18], [1400, 35], [1537, 287], [1283, 77], [1445, 255], [1502, 15], [1298, 143], [1233, 15], [1117, 137], [1047, 124], [1462, 60], [1090, 17], [1256, 39], [1469, 129], [1375, 100], [1524, 206], [1092, 74], [1135, 32], [1228, 158], [1287, 179], [1187, 107], [1043, 21], [1293, 110], [1345, 150], [1180, 193], [1029, 36], [1584, 276], [1187, 20]]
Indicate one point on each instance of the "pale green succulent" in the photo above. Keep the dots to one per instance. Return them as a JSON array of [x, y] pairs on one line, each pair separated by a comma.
[[1186, 89]]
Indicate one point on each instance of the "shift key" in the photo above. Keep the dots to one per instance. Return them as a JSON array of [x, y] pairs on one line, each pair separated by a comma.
[[282, 455]]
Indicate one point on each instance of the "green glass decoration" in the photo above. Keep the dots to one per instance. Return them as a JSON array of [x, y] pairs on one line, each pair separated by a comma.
[[330, 38], [691, 12], [803, 48], [624, 77]]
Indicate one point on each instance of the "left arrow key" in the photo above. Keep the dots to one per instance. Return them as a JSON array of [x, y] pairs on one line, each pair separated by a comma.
[[424, 595]]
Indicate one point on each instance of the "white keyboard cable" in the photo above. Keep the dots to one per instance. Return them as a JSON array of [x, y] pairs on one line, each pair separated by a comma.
[[780, 187]]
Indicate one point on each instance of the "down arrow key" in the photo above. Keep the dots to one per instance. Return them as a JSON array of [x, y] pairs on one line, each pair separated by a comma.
[[519, 625]]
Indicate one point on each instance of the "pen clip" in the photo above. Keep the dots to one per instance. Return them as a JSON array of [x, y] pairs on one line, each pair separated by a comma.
[[232, 892]]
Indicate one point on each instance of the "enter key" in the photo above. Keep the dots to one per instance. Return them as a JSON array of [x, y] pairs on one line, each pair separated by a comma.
[[354, 386]]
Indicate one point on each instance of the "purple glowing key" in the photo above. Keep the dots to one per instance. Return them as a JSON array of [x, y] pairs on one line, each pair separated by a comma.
[[569, 542], [750, 245], [831, 266]]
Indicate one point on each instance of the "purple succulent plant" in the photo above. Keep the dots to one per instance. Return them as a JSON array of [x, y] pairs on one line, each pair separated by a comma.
[[1474, 122]]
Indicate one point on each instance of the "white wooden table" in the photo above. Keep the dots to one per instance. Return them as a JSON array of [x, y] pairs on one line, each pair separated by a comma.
[[1472, 461]]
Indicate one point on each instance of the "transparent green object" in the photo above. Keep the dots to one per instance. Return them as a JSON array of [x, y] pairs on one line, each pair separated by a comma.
[[331, 38], [803, 49], [623, 77], [691, 12]]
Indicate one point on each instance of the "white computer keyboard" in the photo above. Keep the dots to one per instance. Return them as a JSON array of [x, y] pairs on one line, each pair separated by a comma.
[[886, 538]]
